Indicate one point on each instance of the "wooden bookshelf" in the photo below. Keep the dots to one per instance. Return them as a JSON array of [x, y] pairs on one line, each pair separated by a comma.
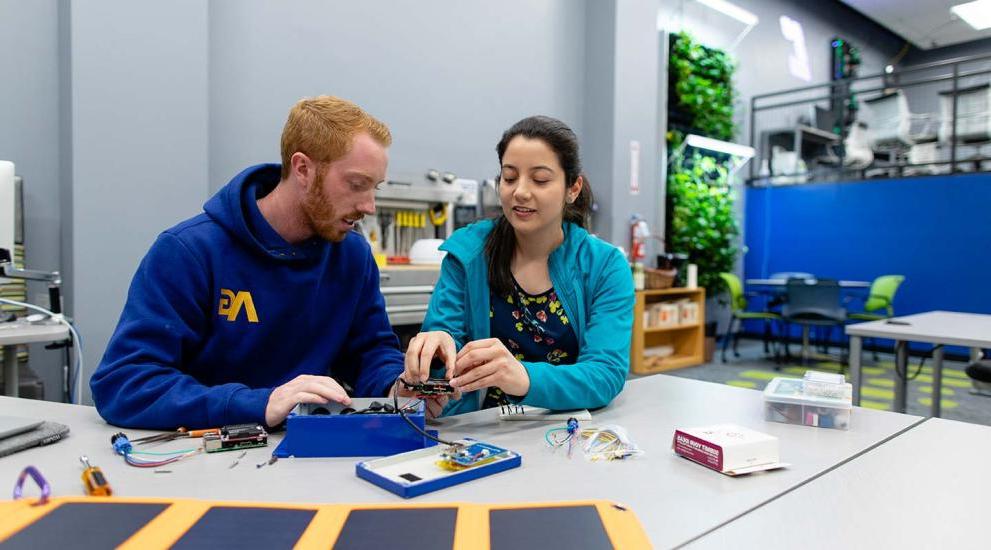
[[688, 340]]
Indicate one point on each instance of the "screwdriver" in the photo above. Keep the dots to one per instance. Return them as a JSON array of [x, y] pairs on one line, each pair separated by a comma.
[[94, 480]]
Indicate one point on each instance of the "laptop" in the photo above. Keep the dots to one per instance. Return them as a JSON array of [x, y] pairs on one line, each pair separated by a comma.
[[13, 425]]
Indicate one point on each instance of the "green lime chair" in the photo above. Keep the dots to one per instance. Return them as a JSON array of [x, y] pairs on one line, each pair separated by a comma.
[[738, 305], [879, 301]]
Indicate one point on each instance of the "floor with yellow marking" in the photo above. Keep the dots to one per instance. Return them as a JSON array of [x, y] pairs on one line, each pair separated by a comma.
[[754, 370]]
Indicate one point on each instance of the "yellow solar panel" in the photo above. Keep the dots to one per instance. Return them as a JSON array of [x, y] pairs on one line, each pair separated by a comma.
[[88, 522]]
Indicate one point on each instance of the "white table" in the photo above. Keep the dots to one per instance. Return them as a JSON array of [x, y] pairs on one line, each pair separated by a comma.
[[675, 500], [927, 488], [969, 330], [14, 334], [783, 282]]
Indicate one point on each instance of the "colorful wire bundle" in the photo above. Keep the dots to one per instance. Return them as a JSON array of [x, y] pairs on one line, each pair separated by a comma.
[[122, 446], [609, 443], [605, 443], [572, 432]]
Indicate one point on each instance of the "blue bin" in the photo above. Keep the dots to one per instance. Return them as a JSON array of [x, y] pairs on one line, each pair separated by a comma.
[[321, 431]]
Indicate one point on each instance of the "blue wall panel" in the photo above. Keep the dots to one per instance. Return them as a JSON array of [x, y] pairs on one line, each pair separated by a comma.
[[934, 230]]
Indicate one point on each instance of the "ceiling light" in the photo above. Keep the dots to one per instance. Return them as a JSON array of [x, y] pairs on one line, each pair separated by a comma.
[[977, 14], [736, 12], [719, 146]]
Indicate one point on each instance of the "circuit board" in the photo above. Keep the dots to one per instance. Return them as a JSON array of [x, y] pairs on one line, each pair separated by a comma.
[[234, 437], [429, 388], [459, 457]]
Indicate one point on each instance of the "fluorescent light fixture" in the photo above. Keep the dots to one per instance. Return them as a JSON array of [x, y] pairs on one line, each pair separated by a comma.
[[977, 14], [798, 59], [734, 11], [734, 149]]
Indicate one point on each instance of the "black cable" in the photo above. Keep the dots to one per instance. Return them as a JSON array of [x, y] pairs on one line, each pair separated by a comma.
[[402, 413], [922, 362], [374, 408]]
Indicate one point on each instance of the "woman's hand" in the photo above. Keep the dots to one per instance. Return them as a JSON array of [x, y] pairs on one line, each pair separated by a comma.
[[487, 363], [419, 354], [433, 405], [421, 351]]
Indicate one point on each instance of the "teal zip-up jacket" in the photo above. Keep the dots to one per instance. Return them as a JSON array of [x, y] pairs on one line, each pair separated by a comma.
[[592, 279]]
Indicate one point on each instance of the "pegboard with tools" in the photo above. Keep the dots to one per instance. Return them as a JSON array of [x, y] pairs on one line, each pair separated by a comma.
[[409, 209]]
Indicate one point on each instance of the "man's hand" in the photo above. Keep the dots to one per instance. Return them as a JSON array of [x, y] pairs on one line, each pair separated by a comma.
[[421, 351], [305, 388], [487, 363], [434, 404]]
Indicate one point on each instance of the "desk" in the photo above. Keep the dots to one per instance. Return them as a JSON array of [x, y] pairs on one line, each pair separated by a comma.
[[970, 330], [783, 282], [675, 499], [13, 334], [926, 488], [809, 143], [407, 290]]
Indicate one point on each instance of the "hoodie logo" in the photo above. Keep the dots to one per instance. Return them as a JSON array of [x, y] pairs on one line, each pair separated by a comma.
[[231, 304]]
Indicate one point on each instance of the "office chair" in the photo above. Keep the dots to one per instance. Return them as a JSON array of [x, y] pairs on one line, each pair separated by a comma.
[[980, 376], [879, 301], [738, 306], [813, 303]]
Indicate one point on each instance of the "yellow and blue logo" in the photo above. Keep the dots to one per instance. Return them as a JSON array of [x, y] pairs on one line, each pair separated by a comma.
[[231, 304]]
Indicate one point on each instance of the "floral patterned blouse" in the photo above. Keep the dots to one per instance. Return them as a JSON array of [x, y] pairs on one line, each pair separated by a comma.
[[534, 328]]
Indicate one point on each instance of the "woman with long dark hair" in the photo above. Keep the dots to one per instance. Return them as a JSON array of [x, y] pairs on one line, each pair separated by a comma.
[[530, 308]]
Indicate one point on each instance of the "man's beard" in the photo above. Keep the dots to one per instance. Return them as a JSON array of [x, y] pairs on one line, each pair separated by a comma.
[[322, 217]]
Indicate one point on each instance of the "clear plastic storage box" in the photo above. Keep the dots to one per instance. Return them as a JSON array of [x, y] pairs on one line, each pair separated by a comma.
[[786, 400]]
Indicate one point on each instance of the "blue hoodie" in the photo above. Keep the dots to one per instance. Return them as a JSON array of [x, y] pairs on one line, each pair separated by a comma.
[[222, 310], [593, 282]]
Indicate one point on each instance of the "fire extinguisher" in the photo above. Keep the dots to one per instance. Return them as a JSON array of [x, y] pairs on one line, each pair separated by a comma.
[[639, 233]]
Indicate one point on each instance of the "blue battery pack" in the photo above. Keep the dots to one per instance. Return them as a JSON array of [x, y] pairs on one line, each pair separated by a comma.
[[323, 431], [415, 473]]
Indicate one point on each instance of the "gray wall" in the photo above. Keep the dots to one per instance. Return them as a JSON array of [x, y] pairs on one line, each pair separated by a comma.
[[621, 107], [139, 138], [29, 136], [598, 111], [150, 107], [447, 77]]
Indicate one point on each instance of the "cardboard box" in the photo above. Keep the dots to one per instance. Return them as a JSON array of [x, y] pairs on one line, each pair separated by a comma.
[[688, 313], [667, 314], [728, 448]]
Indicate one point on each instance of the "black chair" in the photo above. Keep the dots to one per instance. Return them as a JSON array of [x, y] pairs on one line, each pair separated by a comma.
[[980, 376], [777, 297], [813, 303]]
